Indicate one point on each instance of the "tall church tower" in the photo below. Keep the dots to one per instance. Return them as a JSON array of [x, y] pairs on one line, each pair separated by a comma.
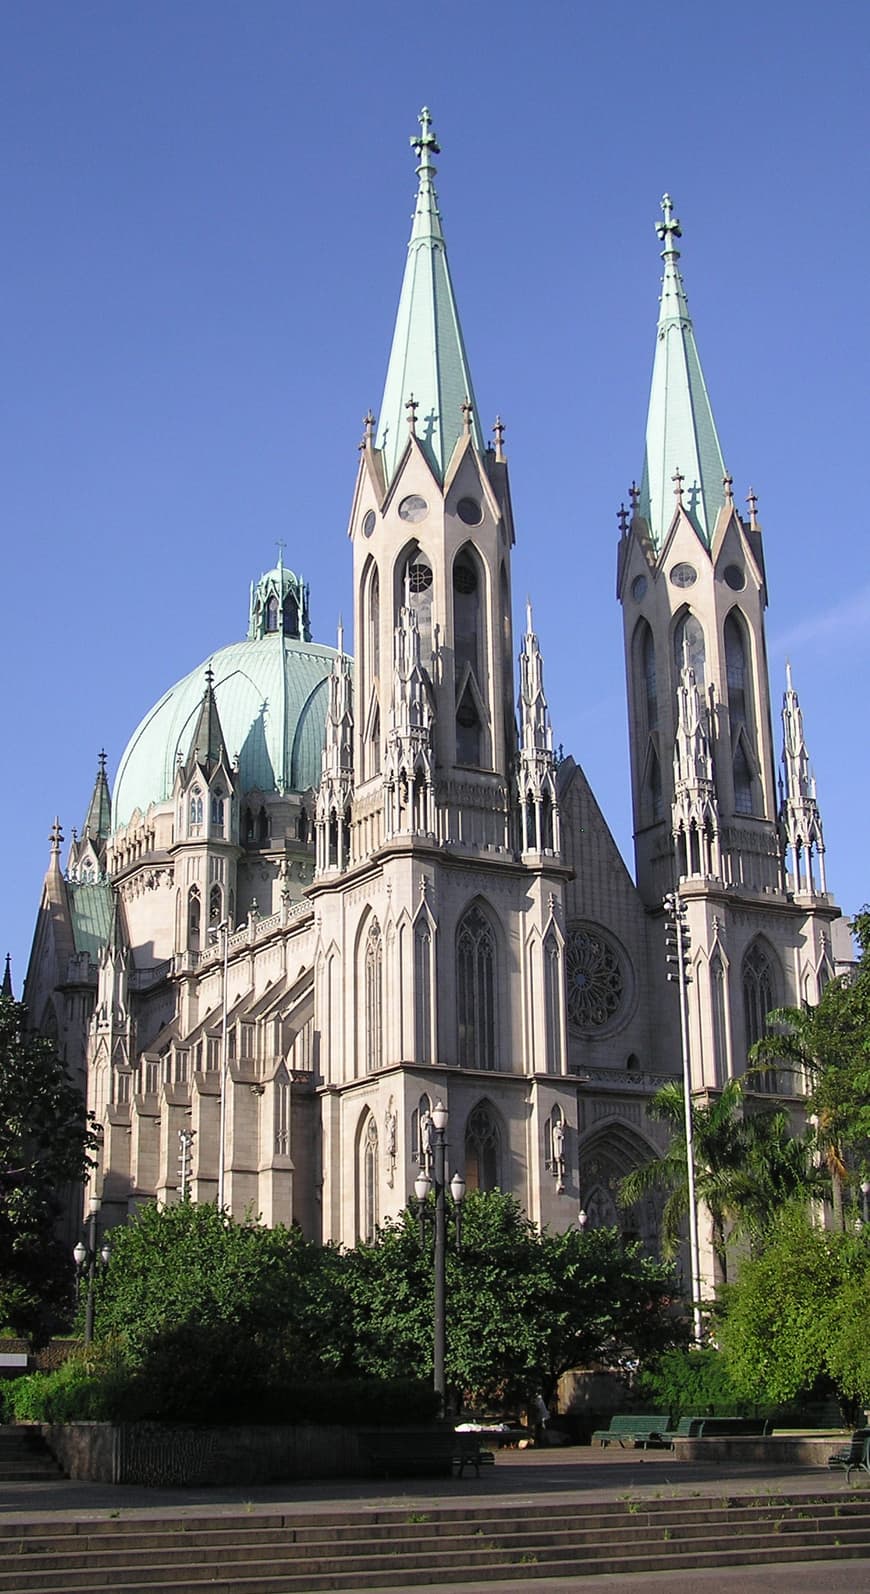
[[438, 895], [691, 581]]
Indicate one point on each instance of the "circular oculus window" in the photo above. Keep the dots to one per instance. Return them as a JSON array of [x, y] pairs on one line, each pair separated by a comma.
[[638, 588], [684, 575], [469, 511], [413, 508], [596, 980], [464, 578], [735, 577], [419, 576], [369, 523]]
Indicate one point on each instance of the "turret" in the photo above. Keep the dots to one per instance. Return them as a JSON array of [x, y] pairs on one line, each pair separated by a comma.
[[336, 781], [799, 817], [536, 771]]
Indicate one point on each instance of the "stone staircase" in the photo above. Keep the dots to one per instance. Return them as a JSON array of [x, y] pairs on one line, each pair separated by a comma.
[[400, 1548], [24, 1456]]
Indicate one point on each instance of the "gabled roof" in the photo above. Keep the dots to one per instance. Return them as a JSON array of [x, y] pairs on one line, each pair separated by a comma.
[[680, 431], [428, 362]]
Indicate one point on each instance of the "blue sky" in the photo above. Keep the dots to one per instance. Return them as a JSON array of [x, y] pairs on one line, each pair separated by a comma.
[[206, 210]]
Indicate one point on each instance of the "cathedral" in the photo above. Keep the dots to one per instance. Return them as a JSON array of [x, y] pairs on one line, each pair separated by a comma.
[[328, 893]]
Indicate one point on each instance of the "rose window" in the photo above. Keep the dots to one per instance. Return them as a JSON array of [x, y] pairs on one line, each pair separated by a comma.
[[595, 981]]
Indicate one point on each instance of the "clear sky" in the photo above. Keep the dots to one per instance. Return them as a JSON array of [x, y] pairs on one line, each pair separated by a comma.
[[206, 206]]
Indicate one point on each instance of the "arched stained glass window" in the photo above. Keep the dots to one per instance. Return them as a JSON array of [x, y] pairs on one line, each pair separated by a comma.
[[736, 671], [374, 975], [482, 1149], [272, 611], [369, 1181], [689, 647], [759, 998], [475, 983]]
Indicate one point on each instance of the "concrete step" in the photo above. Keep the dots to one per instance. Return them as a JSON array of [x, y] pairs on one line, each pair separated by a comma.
[[25, 1456], [283, 1555]]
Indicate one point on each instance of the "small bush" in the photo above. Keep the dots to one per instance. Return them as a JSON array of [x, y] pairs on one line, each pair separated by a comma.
[[690, 1383], [89, 1387]]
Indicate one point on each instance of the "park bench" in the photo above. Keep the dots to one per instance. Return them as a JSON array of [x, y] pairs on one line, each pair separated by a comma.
[[855, 1456], [719, 1428], [424, 1452], [643, 1432]]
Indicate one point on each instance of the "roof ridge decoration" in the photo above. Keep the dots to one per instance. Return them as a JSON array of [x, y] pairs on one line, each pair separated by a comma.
[[427, 357], [680, 429]]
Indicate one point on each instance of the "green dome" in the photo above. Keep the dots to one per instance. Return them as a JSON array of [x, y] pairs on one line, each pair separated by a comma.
[[271, 695]]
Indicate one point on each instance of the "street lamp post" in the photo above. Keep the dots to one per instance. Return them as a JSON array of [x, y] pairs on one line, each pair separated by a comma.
[[86, 1259], [422, 1185], [865, 1200]]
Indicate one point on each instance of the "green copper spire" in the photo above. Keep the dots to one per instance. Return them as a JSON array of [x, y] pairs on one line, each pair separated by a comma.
[[428, 363], [680, 430], [98, 820]]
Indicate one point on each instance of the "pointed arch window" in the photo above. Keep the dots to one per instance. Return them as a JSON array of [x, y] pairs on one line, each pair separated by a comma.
[[483, 1149], [689, 647], [272, 611], [194, 919], [718, 1010], [195, 812], [469, 730], [417, 590], [736, 672], [759, 998], [368, 1180], [215, 905], [217, 813], [744, 798], [374, 1015], [282, 1115], [291, 616], [475, 983], [423, 989]]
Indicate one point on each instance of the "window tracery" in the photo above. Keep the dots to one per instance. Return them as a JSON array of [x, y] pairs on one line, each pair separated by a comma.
[[596, 979], [475, 981], [482, 1149]]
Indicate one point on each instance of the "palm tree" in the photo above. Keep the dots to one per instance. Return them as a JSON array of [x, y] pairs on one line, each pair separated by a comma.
[[811, 1041], [719, 1147], [778, 1169]]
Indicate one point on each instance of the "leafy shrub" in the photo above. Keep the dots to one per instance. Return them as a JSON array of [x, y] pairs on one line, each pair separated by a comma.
[[89, 1387], [690, 1383]]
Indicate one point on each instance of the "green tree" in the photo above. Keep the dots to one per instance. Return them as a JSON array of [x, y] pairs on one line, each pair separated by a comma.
[[522, 1306], [46, 1145], [796, 1318], [828, 1046], [187, 1271]]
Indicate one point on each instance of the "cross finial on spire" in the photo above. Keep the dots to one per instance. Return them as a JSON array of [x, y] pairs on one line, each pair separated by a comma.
[[56, 838], [368, 430], [101, 760], [411, 407], [678, 478], [670, 228], [498, 434], [752, 501], [634, 495], [425, 143], [622, 517], [467, 412], [728, 484]]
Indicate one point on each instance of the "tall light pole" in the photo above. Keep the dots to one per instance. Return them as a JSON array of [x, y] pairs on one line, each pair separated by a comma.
[[675, 911], [422, 1185]]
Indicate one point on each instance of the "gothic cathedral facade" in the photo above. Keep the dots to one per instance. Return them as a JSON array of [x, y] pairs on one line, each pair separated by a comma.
[[328, 894]]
